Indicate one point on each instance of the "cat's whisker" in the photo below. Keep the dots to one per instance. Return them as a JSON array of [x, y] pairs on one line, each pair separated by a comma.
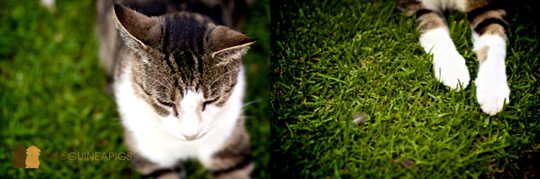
[[169, 89], [169, 81], [250, 102], [213, 89], [218, 78]]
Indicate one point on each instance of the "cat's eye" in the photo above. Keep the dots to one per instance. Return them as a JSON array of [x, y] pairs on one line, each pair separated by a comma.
[[207, 102], [165, 103]]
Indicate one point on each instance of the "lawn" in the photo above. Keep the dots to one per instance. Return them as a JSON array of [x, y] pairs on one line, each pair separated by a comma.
[[52, 91], [335, 60]]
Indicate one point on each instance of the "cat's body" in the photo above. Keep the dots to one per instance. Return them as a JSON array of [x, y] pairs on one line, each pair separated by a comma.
[[178, 81], [489, 35]]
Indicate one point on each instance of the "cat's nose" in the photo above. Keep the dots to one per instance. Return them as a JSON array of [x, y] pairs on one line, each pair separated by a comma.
[[190, 124], [191, 133], [190, 136]]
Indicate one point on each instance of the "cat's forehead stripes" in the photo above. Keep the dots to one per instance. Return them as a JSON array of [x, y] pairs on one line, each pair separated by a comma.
[[186, 40], [183, 46], [185, 31]]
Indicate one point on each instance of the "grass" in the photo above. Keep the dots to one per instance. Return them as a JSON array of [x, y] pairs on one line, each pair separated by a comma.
[[52, 91], [334, 59]]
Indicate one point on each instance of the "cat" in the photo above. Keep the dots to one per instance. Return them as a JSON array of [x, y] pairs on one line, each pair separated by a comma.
[[489, 34], [178, 81]]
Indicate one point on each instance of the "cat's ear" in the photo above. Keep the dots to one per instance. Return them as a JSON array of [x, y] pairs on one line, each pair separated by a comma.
[[137, 30], [229, 44]]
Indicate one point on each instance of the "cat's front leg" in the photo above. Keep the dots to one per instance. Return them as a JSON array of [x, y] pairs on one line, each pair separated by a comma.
[[448, 65], [492, 90], [233, 160], [489, 34], [151, 169]]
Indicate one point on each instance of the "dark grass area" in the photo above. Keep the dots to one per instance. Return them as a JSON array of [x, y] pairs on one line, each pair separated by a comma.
[[334, 59], [52, 91]]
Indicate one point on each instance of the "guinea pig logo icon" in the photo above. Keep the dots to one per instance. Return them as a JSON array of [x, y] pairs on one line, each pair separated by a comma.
[[31, 159]]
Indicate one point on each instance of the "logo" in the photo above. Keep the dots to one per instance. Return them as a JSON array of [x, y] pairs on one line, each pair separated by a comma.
[[25, 158], [29, 157]]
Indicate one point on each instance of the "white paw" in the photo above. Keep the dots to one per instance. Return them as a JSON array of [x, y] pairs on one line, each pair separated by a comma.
[[450, 69], [492, 89]]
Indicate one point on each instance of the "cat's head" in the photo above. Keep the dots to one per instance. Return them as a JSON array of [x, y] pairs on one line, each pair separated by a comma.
[[183, 65]]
